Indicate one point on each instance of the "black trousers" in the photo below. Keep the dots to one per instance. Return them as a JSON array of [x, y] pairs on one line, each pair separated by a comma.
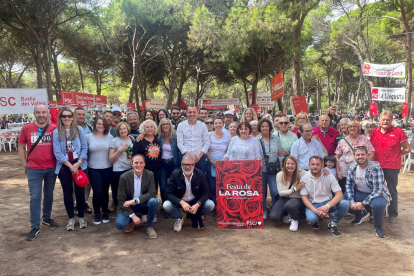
[[391, 177], [286, 205], [66, 180]]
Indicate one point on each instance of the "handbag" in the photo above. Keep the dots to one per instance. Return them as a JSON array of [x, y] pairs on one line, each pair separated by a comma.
[[271, 167]]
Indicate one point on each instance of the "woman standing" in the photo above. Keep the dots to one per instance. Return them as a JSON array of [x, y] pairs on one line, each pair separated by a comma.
[[255, 131], [243, 146], [210, 124], [290, 200], [218, 146], [100, 167], [149, 115], [161, 114], [270, 147], [170, 154], [120, 155], [248, 115], [302, 117], [70, 148], [233, 129], [344, 152]]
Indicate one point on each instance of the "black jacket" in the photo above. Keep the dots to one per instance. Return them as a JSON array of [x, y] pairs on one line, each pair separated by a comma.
[[176, 186]]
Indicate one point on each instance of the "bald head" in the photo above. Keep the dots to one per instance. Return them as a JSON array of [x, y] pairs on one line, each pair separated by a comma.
[[324, 122], [40, 107], [41, 114]]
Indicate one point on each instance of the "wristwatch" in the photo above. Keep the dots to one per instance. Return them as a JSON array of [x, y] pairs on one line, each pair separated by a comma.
[[199, 204]]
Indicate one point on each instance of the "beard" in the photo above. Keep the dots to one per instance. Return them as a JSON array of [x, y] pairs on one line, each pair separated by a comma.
[[189, 172]]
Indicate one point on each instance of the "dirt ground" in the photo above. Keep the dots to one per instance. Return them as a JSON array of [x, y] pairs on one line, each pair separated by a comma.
[[103, 250]]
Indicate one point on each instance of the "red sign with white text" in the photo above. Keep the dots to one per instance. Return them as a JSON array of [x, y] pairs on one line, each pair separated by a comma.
[[100, 101], [239, 194], [373, 109], [131, 107], [276, 88], [75, 99], [254, 106], [405, 110], [299, 104]]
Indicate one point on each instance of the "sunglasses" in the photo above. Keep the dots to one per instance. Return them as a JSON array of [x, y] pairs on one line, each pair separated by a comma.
[[175, 113], [283, 123], [209, 123], [117, 114], [359, 147], [66, 116]]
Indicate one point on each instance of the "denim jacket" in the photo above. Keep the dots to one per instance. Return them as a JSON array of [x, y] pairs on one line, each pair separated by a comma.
[[177, 156], [59, 148]]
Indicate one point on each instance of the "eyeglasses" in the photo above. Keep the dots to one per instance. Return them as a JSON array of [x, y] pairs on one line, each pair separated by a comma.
[[308, 131], [117, 114], [209, 123], [66, 116], [187, 165], [283, 123], [175, 113], [166, 124], [353, 127]]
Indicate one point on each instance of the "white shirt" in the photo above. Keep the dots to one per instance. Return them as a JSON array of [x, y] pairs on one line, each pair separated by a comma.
[[192, 138], [188, 196], [318, 189], [303, 151], [137, 190], [360, 183]]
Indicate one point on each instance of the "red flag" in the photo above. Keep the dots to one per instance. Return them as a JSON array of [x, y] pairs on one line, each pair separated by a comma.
[[373, 109], [404, 110]]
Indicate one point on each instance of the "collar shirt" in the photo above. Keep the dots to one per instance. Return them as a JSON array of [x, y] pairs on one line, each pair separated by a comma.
[[388, 147], [188, 196], [137, 188], [319, 189], [286, 139], [192, 138], [328, 138], [303, 151]]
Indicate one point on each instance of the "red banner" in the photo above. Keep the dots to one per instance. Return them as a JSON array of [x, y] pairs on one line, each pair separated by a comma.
[[239, 194], [299, 104], [276, 88], [405, 110], [254, 106], [373, 109], [237, 109], [259, 110], [131, 107], [75, 99], [100, 101]]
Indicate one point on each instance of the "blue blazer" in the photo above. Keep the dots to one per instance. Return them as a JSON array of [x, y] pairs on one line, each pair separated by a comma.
[[177, 156], [59, 148]]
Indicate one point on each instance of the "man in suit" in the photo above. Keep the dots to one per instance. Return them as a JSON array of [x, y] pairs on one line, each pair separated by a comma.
[[187, 188], [136, 194]]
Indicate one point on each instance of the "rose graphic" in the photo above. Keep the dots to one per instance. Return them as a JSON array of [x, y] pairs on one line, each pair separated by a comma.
[[249, 168], [231, 205], [251, 208], [256, 184], [221, 215]]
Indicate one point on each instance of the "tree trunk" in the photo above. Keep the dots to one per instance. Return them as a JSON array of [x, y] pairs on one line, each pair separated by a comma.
[[47, 65], [280, 104], [318, 97], [57, 73], [341, 78], [173, 78], [39, 68], [329, 91], [361, 77], [297, 56], [81, 75], [254, 86], [246, 92]]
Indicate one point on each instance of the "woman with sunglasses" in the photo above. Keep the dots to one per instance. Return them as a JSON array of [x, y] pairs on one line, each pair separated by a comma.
[[219, 142], [210, 124], [70, 148], [170, 154], [100, 167], [248, 115]]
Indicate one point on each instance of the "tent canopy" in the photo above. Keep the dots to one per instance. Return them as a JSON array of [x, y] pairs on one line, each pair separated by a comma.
[[183, 105]]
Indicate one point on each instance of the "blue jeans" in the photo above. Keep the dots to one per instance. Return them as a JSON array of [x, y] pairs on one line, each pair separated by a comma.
[[271, 180], [166, 170], [172, 209], [150, 207], [211, 183], [339, 210], [35, 178], [376, 207]]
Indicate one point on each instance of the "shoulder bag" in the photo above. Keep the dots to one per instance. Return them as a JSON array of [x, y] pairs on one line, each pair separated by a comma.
[[37, 141], [271, 167]]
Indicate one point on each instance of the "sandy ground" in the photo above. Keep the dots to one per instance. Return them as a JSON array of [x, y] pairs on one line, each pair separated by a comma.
[[103, 250]]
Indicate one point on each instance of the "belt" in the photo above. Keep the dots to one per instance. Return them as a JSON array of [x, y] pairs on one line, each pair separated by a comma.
[[167, 160]]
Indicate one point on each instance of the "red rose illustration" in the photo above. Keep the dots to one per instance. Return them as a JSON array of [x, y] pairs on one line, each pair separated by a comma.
[[221, 215], [251, 208], [256, 184], [249, 168], [233, 180]]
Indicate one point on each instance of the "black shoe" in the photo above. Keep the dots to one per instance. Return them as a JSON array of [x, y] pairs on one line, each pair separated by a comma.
[[75, 210], [360, 217], [88, 209], [97, 219], [334, 231], [380, 232], [213, 213], [392, 219], [33, 234], [105, 218], [315, 226], [50, 222]]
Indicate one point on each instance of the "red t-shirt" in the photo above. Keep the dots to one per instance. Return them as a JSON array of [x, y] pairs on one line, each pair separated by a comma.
[[328, 138], [388, 146], [42, 157]]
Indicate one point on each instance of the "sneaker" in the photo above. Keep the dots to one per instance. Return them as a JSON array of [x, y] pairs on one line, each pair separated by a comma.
[[105, 218], [82, 223], [155, 219], [97, 219], [178, 225], [144, 218], [71, 225], [75, 211], [294, 225], [392, 220], [360, 217], [326, 216], [379, 231], [286, 219], [265, 215], [88, 209], [33, 234], [315, 226], [151, 233], [50, 222], [130, 227], [334, 231]]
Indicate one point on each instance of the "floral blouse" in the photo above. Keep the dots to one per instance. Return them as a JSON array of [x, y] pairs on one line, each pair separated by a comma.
[[347, 154]]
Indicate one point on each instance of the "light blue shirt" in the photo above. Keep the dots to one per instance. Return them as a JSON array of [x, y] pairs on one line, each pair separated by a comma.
[[226, 131], [303, 151], [137, 190]]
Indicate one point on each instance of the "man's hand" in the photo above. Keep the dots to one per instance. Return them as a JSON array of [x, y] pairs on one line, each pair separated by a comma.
[[129, 203], [136, 220], [323, 210], [25, 168], [185, 206], [123, 148], [194, 209], [283, 153], [140, 137], [300, 186], [356, 206], [339, 175], [293, 128], [326, 172]]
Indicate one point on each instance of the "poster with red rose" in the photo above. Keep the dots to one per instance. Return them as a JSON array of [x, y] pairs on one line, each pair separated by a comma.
[[239, 194]]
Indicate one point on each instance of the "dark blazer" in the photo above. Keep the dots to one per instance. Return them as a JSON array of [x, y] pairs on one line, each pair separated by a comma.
[[126, 189], [176, 186]]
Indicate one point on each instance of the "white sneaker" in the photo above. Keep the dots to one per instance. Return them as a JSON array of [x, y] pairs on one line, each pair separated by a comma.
[[71, 225], [293, 225], [326, 216], [265, 215], [82, 223], [178, 225], [144, 218], [286, 219], [155, 219]]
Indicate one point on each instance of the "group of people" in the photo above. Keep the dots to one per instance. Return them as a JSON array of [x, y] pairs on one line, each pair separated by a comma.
[[178, 157]]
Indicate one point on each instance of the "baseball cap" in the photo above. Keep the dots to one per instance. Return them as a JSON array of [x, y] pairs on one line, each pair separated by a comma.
[[229, 112], [116, 108]]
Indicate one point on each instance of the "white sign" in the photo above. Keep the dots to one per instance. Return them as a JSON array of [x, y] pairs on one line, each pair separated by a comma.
[[155, 104], [396, 70], [388, 94], [216, 102], [21, 101], [263, 99]]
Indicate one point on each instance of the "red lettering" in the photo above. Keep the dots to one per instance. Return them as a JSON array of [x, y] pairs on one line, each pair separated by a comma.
[[10, 103], [4, 101]]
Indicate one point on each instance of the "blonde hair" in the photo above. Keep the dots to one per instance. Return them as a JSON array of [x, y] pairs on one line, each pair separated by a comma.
[[243, 118], [295, 176], [161, 133], [351, 123], [387, 113], [144, 123], [300, 115], [118, 126], [73, 131]]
